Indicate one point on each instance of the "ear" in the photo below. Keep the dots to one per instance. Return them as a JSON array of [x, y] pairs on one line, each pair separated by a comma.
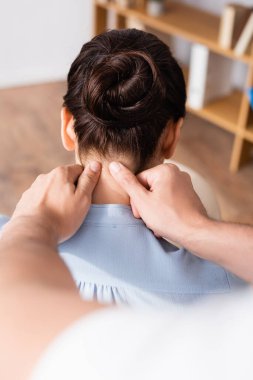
[[68, 135], [171, 137]]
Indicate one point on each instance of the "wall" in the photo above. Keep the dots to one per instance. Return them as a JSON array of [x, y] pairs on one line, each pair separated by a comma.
[[182, 48], [40, 38], [216, 7]]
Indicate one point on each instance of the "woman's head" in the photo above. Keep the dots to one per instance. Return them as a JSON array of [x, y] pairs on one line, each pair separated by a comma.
[[125, 91]]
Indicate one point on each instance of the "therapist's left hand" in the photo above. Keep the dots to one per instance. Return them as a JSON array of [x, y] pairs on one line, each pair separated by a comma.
[[60, 199]]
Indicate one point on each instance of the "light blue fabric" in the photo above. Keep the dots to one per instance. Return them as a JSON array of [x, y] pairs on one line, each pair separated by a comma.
[[3, 220], [114, 258]]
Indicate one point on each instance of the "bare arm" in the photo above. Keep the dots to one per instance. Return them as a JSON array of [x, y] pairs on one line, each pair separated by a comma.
[[165, 199], [227, 244], [37, 294]]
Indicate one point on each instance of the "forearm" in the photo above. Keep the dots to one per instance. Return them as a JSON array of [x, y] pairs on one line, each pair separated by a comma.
[[227, 244], [28, 253], [37, 294]]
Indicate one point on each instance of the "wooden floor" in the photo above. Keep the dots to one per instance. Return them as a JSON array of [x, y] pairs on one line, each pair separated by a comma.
[[30, 144]]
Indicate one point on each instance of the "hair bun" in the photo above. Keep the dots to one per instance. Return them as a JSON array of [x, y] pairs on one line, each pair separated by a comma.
[[118, 90]]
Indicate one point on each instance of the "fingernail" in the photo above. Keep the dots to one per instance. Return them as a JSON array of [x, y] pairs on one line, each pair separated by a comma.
[[115, 167], [94, 166]]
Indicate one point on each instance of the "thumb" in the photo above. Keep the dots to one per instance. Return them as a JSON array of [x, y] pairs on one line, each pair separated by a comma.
[[128, 181], [88, 179]]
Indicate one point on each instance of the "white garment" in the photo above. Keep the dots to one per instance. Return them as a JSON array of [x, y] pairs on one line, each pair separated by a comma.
[[210, 341]]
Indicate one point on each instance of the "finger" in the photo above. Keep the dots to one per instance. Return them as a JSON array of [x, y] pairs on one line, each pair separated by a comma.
[[134, 210], [147, 177], [88, 179], [128, 181], [74, 172], [64, 174]]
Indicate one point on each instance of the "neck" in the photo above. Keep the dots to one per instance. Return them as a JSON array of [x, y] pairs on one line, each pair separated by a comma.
[[108, 191]]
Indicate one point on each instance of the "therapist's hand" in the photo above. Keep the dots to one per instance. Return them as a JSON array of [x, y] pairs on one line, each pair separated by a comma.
[[164, 198], [60, 199]]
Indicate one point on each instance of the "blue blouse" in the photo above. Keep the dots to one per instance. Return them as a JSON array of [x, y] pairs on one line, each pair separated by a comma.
[[115, 258]]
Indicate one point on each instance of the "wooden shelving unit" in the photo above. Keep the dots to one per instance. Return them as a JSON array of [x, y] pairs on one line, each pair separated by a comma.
[[232, 112]]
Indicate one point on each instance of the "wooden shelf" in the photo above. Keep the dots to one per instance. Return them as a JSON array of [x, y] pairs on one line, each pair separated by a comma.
[[232, 112], [180, 20], [224, 111], [249, 134]]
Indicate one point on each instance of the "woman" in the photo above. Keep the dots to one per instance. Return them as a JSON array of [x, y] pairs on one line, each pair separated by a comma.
[[125, 102]]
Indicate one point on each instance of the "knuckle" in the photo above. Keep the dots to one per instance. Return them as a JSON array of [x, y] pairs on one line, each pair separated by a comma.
[[186, 176], [86, 198], [127, 178], [91, 175], [165, 169], [170, 170], [88, 177], [129, 181], [60, 171], [172, 167], [40, 178]]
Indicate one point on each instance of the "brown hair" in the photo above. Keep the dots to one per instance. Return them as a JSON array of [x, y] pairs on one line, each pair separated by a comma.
[[123, 89]]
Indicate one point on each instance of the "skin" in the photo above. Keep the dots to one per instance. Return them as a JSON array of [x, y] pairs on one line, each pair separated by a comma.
[[107, 189], [37, 294], [175, 212], [207, 239], [45, 216]]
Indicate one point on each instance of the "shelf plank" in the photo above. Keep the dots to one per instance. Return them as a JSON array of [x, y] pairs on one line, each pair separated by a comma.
[[248, 134], [223, 111], [183, 21], [100, 20]]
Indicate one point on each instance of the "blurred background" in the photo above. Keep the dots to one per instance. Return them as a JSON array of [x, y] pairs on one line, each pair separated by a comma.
[[39, 40]]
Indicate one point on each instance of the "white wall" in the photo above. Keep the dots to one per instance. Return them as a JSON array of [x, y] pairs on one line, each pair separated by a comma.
[[40, 38]]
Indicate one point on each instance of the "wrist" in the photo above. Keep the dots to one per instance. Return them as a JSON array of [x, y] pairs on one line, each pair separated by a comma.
[[198, 235], [35, 228], [188, 235]]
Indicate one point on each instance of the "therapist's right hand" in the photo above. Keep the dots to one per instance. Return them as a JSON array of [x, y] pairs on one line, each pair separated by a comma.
[[164, 198]]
